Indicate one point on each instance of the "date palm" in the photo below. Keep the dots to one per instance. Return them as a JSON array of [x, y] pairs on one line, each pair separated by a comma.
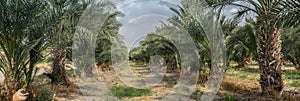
[[157, 45], [20, 21], [106, 36], [291, 45], [185, 20], [64, 15], [270, 16], [97, 31], [241, 44]]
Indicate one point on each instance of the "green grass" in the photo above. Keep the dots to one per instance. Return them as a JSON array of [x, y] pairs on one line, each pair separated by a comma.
[[129, 92], [245, 73], [295, 83], [229, 97], [290, 75]]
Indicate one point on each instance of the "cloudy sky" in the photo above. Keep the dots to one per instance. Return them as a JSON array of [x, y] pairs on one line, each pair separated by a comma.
[[142, 16]]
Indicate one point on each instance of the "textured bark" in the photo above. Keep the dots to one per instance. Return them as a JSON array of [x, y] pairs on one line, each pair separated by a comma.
[[243, 60], [270, 59], [10, 88], [35, 55], [59, 72]]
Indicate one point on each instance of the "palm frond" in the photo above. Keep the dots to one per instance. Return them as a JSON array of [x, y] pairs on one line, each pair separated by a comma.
[[291, 13]]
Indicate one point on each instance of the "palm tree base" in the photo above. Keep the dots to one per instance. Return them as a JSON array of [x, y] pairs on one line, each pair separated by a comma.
[[59, 73]]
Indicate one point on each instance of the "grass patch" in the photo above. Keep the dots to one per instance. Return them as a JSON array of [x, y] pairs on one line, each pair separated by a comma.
[[245, 73], [229, 97], [291, 75], [295, 83], [129, 92], [292, 78]]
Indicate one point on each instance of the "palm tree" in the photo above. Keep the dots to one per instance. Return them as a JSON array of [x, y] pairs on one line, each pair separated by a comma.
[[269, 17], [99, 30], [157, 45], [64, 16], [291, 45], [154, 44], [184, 19], [107, 34], [19, 22], [241, 44]]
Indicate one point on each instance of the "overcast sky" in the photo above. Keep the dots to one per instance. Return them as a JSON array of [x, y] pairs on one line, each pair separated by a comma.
[[142, 16]]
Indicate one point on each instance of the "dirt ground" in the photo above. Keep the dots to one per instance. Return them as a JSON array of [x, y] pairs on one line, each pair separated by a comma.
[[98, 88], [241, 89]]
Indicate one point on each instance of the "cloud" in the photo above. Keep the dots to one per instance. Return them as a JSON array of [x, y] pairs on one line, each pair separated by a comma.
[[143, 7], [142, 17], [234, 10], [138, 28]]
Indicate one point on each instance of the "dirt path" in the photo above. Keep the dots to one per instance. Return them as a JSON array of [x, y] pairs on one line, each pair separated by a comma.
[[158, 90], [98, 88]]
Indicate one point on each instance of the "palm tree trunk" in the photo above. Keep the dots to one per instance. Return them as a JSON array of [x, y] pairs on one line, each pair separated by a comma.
[[59, 72], [270, 60], [243, 60], [35, 56], [10, 87]]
